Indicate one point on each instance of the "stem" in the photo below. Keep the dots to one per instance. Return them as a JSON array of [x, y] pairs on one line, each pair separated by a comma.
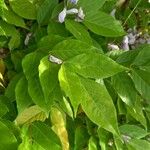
[[132, 12]]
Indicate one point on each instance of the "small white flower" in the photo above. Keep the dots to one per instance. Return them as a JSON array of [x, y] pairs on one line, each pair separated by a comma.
[[113, 12], [55, 60], [125, 43], [28, 36], [62, 15], [81, 14], [113, 47], [132, 38], [72, 11], [74, 1], [126, 138]]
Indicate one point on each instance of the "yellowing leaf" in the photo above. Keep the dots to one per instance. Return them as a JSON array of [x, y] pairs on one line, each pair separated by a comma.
[[31, 114], [58, 122]]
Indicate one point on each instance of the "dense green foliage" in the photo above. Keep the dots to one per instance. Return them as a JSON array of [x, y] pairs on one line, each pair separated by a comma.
[[60, 85]]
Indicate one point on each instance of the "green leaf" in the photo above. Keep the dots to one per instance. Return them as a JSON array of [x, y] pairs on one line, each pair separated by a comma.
[[104, 138], [48, 74], [11, 114], [136, 112], [133, 131], [81, 138], [70, 84], [49, 41], [27, 142], [143, 57], [127, 58], [103, 24], [10, 17], [70, 48], [57, 28], [45, 137], [142, 82], [92, 144], [136, 144], [95, 100], [98, 105], [79, 31], [22, 96], [95, 65], [45, 11], [10, 91], [30, 115], [24, 8], [90, 6], [10, 31], [7, 139], [30, 67], [4, 109], [122, 83], [16, 58]]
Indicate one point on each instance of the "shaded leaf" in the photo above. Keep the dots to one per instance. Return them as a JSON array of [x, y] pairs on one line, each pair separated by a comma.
[[45, 11], [22, 96], [7, 139]]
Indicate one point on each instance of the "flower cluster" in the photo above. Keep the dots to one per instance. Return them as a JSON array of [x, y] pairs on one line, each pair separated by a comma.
[[79, 13], [135, 38]]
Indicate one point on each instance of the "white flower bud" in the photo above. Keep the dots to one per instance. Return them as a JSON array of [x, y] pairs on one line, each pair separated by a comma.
[[81, 14], [55, 60], [72, 11], [62, 15], [27, 39], [113, 47], [125, 43], [113, 12]]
